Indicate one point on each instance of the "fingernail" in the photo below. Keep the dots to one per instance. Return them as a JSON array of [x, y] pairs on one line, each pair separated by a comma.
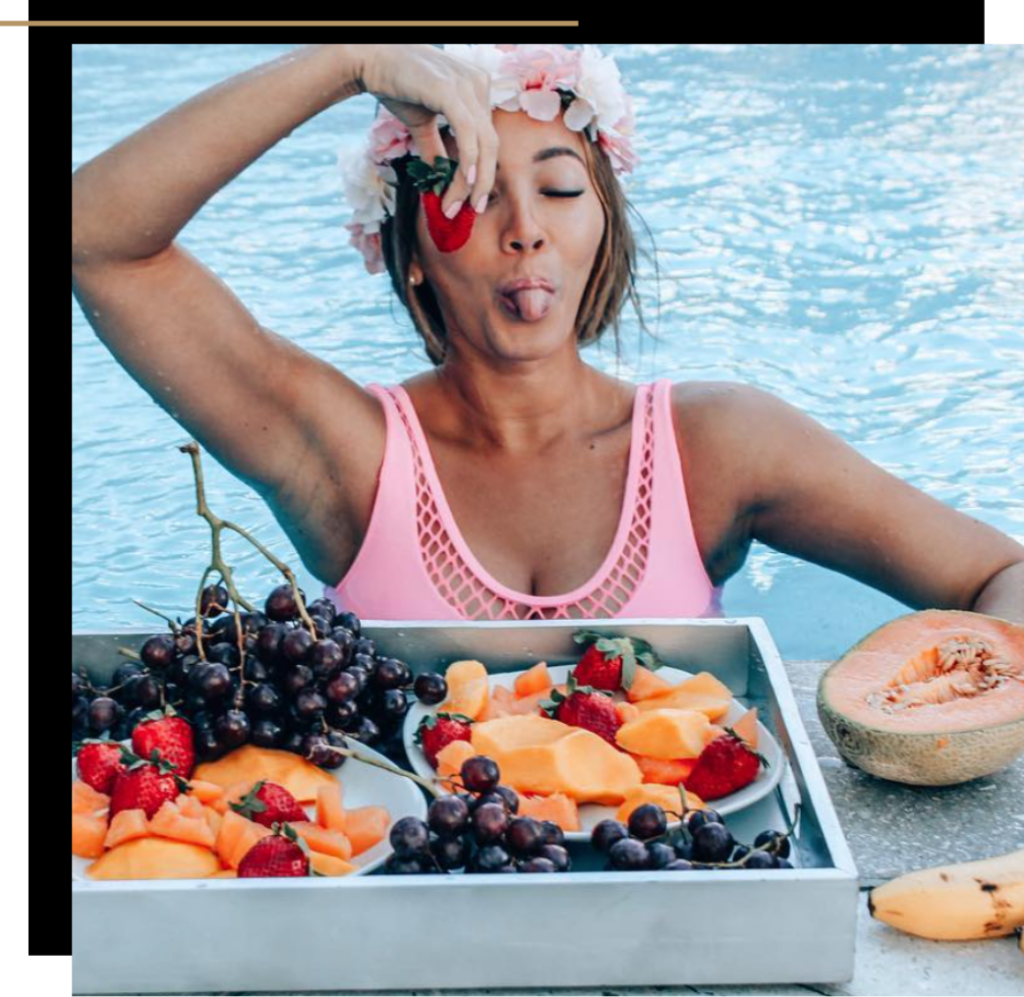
[[454, 209], [471, 176], [481, 205]]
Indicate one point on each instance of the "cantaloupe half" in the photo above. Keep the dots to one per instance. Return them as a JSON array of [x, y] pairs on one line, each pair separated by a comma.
[[931, 698], [301, 778], [539, 755]]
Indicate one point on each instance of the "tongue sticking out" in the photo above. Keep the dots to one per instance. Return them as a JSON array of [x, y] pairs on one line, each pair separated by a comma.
[[531, 303]]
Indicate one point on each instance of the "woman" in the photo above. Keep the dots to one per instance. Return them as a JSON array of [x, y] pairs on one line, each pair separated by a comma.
[[513, 480]]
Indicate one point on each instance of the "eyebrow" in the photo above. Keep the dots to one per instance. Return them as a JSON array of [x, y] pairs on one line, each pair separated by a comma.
[[558, 150]]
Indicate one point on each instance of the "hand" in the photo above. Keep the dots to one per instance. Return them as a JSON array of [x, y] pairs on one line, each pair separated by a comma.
[[418, 82]]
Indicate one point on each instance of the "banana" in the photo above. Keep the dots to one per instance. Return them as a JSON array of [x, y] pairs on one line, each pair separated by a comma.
[[967, 900]]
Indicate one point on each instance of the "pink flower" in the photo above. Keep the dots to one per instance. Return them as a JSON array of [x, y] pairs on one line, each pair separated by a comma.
[[389, 138], [539, 71]]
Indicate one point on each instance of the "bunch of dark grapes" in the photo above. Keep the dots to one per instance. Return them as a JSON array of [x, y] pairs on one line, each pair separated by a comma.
[[477, 830], [274, 684], [702, 841]]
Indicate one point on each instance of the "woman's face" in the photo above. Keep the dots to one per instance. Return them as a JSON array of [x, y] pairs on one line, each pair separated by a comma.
[[544, 219]]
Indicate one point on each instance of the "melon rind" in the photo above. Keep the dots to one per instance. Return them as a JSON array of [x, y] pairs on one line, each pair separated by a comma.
[[919, 758]]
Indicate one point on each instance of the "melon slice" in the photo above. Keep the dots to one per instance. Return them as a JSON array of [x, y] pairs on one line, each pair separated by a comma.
[[557, 807], [932, 698], [534, 680], [329, 810], [170, 822], [365, 826], [667, 772], [666, 797], [301, 778], [647, 684], [331, 865], [321, 839], [450, 759], [468, 690], [667, 734], [86, 800], [126, 825], [88, 832], [155, 858], [702, 692]]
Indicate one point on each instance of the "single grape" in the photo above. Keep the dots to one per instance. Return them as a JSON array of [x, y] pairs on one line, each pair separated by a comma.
[[524, 835], [309, 704], [647, 821], [104, 712], [281, 604], [393, 705], [350, 622], [430, 688], [557, 854], [489, 858], [698, 818], [232, 728], [489, 822], [606, 832], [325, 657], [364, 645], [123, 673], [628, 854], [266, 733], [215, 681], [295, 678], [448, 815], [225, 654], [781, 846], [296, 645], [759, 860], [158, 651], [213, 600], [410, 837], [538, 864], [553, 833], [268, 641], [256, 670], [451, 853], [660, 855], [712, 843], [342, 688], [392, 674], [343, 715], [480, 773], [146, 691]]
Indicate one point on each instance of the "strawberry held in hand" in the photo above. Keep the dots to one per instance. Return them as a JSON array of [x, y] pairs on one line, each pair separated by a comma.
[[611, 662], [585, 707], [448, 234]]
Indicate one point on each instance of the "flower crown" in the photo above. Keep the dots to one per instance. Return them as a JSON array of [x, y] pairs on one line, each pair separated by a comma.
[[538, 79]]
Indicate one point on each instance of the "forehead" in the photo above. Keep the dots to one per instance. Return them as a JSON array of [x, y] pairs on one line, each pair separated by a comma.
[[520, 137]]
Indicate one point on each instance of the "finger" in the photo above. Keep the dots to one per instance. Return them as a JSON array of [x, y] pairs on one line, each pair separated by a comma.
[[487, 167], [467, 127]]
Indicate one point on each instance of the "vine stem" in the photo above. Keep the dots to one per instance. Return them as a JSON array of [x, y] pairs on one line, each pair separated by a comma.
[[388, 767], [219, 566]]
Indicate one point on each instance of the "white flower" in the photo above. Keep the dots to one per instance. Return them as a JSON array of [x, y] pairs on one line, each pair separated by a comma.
[[367, 192], [599, 93]]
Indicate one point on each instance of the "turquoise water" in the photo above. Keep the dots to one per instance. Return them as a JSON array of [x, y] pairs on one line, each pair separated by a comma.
[[840, 225]]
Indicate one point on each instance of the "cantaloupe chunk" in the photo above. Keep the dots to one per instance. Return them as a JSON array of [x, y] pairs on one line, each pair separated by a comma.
[[668, 772], [557, 807], [155, 858], [169, 822], [646, 684], [127, 824], [330, 812], [86, 800], [190, 806], [626, 712], [746, 727], [538, 755], [702, 692], [667, 734], [450, 759], [365, 826], [301, 778], [331, 865], [236, 836], [321, 839], [468, 691], [666, 797], [88, 832], [534, 680], [213, 818], [205, 792]]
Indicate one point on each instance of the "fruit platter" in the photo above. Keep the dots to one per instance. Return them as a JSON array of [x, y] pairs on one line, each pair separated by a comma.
[[668, 727], [266, 777]]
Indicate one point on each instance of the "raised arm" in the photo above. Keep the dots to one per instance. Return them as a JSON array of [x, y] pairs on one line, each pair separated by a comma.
[[250, 397]]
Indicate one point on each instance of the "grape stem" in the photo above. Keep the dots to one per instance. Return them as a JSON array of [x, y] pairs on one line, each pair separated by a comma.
[[219, 565], [387, 766]]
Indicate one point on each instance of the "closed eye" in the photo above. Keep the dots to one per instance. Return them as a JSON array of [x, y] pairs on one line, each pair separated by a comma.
[[549, 193]]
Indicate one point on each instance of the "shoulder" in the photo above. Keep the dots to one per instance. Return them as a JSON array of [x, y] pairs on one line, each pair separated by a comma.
[[734, 430]]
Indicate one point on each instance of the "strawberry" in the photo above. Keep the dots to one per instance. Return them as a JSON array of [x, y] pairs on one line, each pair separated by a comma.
[[282, 853], [448, 234], [586, 707], [171, 735], [268, 803], [724, 766], [611, 662], [440, 729], [145, 784], [100, 763]]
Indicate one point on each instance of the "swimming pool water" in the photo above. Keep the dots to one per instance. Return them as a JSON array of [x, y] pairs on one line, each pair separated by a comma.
[[840, 225]]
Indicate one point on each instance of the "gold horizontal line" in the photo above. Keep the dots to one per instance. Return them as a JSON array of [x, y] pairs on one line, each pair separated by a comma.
[[278, 24]]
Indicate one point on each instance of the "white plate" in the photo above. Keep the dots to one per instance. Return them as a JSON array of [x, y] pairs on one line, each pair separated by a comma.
[[363, 785], [591, 813]]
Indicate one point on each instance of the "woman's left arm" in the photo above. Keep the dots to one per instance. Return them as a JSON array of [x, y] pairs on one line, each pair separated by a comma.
[[810, 494]]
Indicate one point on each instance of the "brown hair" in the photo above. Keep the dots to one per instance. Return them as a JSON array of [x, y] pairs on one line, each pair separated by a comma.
[[611, 281]]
